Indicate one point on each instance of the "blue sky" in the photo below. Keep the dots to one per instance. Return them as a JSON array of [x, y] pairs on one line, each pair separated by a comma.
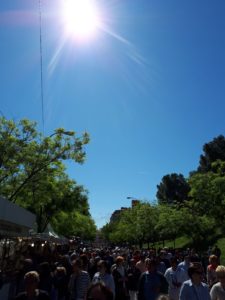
[[150, 89]]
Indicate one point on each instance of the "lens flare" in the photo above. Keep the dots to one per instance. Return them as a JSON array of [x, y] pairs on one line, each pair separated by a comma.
[[81, 18]]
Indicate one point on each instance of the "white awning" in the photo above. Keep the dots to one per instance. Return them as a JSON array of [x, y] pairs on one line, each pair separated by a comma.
[[15, 220]]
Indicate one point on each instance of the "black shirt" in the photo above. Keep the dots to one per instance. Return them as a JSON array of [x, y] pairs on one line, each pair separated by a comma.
[[40, 295]]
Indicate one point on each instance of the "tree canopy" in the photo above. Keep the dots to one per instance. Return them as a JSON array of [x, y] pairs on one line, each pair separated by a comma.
[[32, 172], [213, 151], [192, 207], [173, 189]]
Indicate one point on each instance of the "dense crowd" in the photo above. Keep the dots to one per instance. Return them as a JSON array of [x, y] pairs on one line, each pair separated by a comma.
[[117, 274]]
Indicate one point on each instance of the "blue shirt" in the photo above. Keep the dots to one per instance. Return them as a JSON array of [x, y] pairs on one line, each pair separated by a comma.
[[107, 279], [151, 286], [189, 291]]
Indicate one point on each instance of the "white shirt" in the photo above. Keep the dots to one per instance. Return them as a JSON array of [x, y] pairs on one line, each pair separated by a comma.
[[175, 280], [217, 292]]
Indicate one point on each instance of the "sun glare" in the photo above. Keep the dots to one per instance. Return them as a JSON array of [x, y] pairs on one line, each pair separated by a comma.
[[81, 18]]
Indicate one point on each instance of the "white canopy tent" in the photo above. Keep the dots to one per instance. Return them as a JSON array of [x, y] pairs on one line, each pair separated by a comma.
[[50, 235]]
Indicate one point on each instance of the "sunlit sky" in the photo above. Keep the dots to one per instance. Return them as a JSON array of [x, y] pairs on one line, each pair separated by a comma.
[[148, 85]]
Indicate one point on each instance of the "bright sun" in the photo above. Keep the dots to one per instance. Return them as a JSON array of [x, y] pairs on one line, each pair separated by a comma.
[[81, 18]]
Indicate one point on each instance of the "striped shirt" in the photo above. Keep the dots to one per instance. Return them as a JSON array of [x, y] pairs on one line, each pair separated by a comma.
[[78, 285]]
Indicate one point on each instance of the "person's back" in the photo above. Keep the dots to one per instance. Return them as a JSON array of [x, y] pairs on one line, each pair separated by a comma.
[[98, 291], [217, 292], [151, 283], [46, 279], [175, 277], [79, 282], [39, 295], [104, 275], [61, 282], [140, 265]]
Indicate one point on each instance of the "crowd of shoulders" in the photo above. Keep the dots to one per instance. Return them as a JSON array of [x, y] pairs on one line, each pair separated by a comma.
[[119, 274]]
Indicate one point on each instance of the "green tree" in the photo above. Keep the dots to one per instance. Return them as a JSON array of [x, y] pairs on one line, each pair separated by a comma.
[[170, 223], [26, 153], [208, 193], [147, 216], [75, 224], [50, 192], [32, 171], [173, 189], [106, 230], [123, 229], [135, 225], [213, 151], [200, 228]]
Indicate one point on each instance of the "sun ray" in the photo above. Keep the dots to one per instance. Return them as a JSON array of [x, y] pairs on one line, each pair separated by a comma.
[[56, 56], [82, 20]]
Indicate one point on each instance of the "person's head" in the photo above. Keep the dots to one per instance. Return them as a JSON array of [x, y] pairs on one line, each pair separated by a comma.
[[220, 273], [44, 269], [31, 280], [132, 262], [73, 256], [119, 260], [61, 271], [27, 265], [195, 272], [163, 297], [150, 264], [173, 262], [77, 265], [187, 259], [84, 260], [213, 260], [162, 254], [99, 291], [103, 267]]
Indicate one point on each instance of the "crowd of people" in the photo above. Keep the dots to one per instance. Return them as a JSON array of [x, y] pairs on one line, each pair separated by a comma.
[[118, 274]]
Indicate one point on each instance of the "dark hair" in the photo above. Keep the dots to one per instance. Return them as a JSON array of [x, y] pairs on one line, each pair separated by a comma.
[[173, 259], [105, 264], [103, 289], [150, 261], [84, 259], [44, 269], [77, 262], [194, 268]]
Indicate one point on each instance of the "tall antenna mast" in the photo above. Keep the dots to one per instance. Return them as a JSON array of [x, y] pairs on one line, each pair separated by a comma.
[[41, 69]]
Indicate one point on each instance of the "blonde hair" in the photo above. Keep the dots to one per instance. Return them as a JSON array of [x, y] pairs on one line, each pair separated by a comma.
[[61, 270], [119, 259], [220, 271], [31, 276]]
